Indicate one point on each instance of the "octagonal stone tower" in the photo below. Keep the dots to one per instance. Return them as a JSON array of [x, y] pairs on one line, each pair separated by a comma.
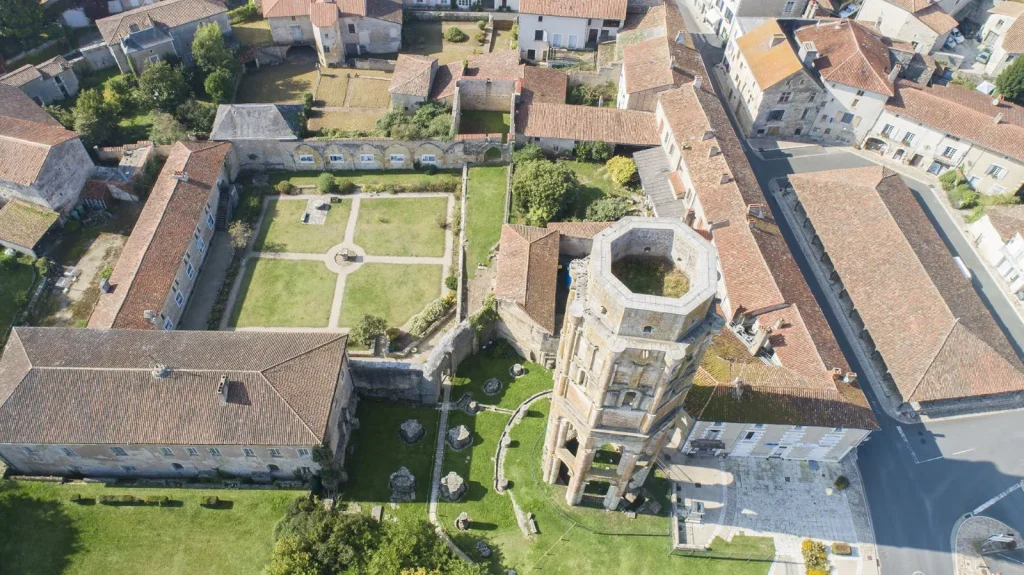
[[639, 317]]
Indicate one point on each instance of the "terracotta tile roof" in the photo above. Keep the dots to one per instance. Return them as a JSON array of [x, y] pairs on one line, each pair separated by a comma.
[[528, 271], [547, 85], [924, 317], [1011, 9], [24, 224], [413, 75], [579, 229], [499, 65], [991, 106], [929, 13], [848, 53], [150, 259], [54, 66], [769, 63], [386, 10], [445, 81], [25, 147], [664, 61], [938, 107], [15, 104], [587, 123], [604, 9], [286, 8], [1008, 221], [1013, 39], [761, 279], [170, 13], [323, 14], [60, 386]]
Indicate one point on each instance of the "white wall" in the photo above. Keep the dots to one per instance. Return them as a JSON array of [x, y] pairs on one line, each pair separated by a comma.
[[783, 441], [842, 99], [899, 24], [529, 24]]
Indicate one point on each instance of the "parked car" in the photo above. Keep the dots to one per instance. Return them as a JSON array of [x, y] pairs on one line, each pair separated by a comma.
[[955, 33], [950, 42], [984, 55], [849, 10]]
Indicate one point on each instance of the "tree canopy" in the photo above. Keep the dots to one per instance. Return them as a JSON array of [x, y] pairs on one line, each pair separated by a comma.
[[21, 19], [1010, 83], [94, 119], [162, 87], [210, 51], [539, 188], [219, 85]]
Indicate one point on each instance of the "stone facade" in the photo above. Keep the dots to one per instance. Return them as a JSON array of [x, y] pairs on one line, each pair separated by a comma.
[[368, 154], [60, 179], [46, 90], [347, 37], [529, 339], [490, 95], [626, 360]]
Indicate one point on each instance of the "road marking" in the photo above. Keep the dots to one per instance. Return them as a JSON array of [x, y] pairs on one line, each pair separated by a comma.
[[927, 460], [996, 499], [904, 436], [1008, 558], [964, 451]]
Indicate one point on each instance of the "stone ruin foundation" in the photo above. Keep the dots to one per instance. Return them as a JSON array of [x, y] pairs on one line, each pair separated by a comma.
[[411, 431], [403, 485]]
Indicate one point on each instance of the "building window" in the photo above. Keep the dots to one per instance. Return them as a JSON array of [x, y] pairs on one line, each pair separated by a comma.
[[887, 131], [118, 451], [305, 471], [749, 435], [166, 452], [214, 452], [209, 220], [807, 112], [855, 102], [189, 270], [201, 245], [302, 452], [428, 159], [847, 118], [366, 158], [335, 158], [996, 171], [351, 28], [128, 468], [540, 18], [397, 159], [556, 39], [327, 49], [776, 115], [168, 326], [828, 131], [949, 152], [179, 299], [538, 35], [192, 451], [249, 452], [908, 138], [784, 97], [306, 158], [789, 7], [275, 453]]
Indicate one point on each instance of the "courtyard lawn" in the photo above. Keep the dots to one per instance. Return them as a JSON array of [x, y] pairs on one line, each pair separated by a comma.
[[485, 212], [496, 362], [595, 183], [285, 293], [348, 121], [427, 39], [379, 452], [395, 292], [478, 122], [402, 226], [332, 89], [283, 230], [362, 177], [14, 285], [253, 33], [368, 93], [277, 84], [42, 532]]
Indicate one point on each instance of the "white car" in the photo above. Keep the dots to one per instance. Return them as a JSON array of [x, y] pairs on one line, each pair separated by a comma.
[[849, 10], [956, 35]]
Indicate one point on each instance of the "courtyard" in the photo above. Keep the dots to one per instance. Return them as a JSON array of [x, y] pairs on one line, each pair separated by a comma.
[[427, 39], [323, 262]]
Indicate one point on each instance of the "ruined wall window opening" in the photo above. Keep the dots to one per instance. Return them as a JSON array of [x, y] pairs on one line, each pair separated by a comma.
[[177, 466]]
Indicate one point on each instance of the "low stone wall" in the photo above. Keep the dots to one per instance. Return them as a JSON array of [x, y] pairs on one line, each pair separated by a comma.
[[374, 64], [605, 74]]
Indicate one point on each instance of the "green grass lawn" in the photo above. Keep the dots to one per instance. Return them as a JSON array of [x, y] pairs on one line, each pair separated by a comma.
[[14, 285], [285, 293], [283, 230], [379, 452], [496, 362], [41, 532], [427, 39], [277, 84], [485, 212], [253, 33], [595, 183], [479, 122], [361, 177], [395, 292], [402, 226]]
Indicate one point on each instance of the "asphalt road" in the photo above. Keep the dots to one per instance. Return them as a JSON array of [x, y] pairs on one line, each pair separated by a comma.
[[919, 478]]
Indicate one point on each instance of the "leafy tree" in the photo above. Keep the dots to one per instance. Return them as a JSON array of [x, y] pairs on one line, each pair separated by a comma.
[[21, 19], [431, 121], [1010, 82], [93, 118], [62, 114], [197, 116], [367, 330], [219, 85], [608, 209], [291, 557], [210, 51], [121, 93], [593, 151], [240, 233], [162, 87], [622, 170], [166, 129], [455, 34], [326, 184], [539, 188], [527, 153]]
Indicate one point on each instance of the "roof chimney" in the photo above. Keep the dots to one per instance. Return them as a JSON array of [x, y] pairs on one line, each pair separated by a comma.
[[760, 338], [726, 178], [698, 81], [149, 315], [712, 226], [223, 389], [998, 118], [808, 53], [713, 151], [895, 72], [180, 175]]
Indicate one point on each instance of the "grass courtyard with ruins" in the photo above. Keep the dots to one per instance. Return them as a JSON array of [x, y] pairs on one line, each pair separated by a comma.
[[324, 262]]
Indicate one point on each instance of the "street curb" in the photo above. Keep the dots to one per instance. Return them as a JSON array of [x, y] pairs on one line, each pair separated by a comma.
[[953, 535]]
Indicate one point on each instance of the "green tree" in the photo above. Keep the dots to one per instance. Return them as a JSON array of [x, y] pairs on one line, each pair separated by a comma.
[[21, 19], [291, 557], [166, 129], [162, 87], [1010, 82], [622, 170], [593, 151], [367, 330], [210, 51], [608, 209], [197, 116], [120, 93], [527, 153], [93, 118], [62, 114], [539, 188], [219, 85], [240, 233]]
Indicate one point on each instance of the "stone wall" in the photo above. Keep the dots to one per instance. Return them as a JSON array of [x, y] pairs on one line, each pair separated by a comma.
[[491, 95], [60, 179], [593, 78], [524, 334], [374, 64], [386, 153], [444, 15], [93, 58]]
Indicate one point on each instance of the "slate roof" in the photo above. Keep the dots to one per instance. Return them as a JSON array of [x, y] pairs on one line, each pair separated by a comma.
[[170, 13], [761, 279], [943, 108], [1008, 221], [87, 386], [24, 224], [934, 333], [769, 64], [587, 123], [256, 122], [848, 53], [545, 85], [527, 271], [414, 75], [604, 9], [150, 259]]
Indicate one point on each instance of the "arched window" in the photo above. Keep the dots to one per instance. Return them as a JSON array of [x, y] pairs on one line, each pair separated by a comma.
[[648, 330], [273, 468], [629, 399], [177, 466]]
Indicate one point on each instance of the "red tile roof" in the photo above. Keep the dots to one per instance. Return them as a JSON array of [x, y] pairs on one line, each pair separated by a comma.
[[929, 13], [25, 146], [848, 53], [528, 271], [547, 85], [413, 75], [24, 224], [170, 13], [665, 61], [587, 123], [64, 386], [604, 9], [150, 259], [1008, 221], [579, 229]]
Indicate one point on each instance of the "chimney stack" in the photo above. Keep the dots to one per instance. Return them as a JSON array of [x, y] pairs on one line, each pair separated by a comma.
[[776, 39], [808, 53], [697, 82], [998, 118], [180, 175], [760, 338], [223, 389], [737, 390]]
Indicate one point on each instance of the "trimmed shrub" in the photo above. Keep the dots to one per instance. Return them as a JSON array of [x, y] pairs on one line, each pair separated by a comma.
[[480, 37], [481, 24], [430, 169], [161, 500], [454, 34], [840, 548], [949, 180], [842, 482], [284, 187], [593, 151], [434, 311], [211, 501], [346, 187], [963, 197], [451, 282], [117, 499], [622, 170], [326, 184]]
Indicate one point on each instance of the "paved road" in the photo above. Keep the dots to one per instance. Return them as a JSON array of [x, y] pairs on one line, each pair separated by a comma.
[[919, 478]]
